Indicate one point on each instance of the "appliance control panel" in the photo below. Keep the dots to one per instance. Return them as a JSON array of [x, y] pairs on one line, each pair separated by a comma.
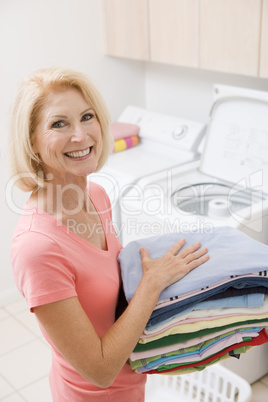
[[168, 130]]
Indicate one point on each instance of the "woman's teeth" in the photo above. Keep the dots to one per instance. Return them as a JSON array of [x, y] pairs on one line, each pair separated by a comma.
[[78, 154]]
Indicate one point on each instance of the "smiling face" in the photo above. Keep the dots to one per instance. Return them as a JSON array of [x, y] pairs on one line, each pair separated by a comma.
[[67, 136]]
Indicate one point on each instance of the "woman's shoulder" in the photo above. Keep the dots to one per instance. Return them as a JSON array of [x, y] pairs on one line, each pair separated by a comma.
[[32, 240], [92, 186], [35, 228], [99, 195]]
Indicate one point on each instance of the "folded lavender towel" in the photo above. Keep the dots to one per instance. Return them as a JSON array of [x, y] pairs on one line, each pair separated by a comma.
[[231, 253]]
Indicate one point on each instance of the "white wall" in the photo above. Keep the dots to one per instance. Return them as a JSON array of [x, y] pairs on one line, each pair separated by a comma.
[[187, 92], [68, 33]]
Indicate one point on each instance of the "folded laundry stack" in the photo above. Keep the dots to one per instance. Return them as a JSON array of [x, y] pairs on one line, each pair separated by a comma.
[[125, 135], [218, 310]]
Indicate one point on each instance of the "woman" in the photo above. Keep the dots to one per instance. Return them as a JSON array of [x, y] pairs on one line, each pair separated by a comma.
[[70, 277]]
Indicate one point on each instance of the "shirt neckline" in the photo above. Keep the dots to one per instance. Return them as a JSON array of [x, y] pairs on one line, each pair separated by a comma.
[[73, 235]]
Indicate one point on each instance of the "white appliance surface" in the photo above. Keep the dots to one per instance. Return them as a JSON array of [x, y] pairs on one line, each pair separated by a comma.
[[228, 186], [165, 142]]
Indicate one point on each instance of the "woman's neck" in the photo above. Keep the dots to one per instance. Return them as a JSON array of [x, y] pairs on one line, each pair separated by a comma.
[[62, 200]]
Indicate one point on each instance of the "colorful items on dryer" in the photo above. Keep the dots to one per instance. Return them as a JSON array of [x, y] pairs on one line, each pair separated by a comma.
[[125, 143], [125, 135]]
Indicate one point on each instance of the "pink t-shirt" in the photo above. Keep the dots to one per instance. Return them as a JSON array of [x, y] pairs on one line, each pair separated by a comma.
[[52, 263]]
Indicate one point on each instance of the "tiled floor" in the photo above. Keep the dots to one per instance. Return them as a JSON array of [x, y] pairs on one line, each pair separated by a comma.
[[25, 359]]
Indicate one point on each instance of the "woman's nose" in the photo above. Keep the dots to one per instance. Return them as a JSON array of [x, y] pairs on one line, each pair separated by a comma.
[[79, 133]]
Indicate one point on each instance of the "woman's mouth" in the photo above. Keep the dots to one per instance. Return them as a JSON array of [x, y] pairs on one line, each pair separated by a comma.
[[78, 154]]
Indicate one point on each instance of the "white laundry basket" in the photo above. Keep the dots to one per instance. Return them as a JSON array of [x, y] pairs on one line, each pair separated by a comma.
[[214, 384]]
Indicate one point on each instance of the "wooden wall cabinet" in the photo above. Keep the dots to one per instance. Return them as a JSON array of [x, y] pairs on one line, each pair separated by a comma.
[[174, 32], [264, 41], [221, 35], [126, 28], [229, 35]]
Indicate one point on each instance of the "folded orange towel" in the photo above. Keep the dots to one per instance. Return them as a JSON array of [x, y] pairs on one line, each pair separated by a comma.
[[125, 143], [123, 130]]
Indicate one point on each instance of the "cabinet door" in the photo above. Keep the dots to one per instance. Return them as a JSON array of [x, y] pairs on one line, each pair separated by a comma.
[[126, 28], [174, 32], [264, 41], [229, 35]]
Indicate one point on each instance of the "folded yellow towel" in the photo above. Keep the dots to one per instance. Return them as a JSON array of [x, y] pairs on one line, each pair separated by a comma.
[[125, 143]]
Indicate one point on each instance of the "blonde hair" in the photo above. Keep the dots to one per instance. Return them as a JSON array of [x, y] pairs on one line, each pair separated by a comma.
[[31, 97]]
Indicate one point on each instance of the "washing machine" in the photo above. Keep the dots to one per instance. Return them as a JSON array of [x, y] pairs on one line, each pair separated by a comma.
[[164, 142], [227, 186]]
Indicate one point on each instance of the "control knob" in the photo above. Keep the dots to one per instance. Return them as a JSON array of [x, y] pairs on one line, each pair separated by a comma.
[[179, 132]]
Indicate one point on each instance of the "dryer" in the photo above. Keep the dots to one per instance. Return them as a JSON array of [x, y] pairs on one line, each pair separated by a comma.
[[227, 186]]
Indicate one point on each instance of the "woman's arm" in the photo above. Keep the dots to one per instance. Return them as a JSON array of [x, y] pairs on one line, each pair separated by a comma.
[[99, 360]]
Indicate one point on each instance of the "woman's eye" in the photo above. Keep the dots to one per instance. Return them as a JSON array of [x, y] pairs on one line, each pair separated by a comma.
[[58, 124], [87, 116]]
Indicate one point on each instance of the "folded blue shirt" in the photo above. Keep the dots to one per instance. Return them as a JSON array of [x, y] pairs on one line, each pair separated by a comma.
[[231, 252], [248, 300], [165, 314]]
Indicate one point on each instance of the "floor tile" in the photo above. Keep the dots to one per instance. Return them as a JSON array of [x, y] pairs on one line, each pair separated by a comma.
[[27, 364], [5, 388], [17, 307], [3, 313], [14, 398], [13, 335], [259, 392], [29, 320], [264, 380], [39, 391]]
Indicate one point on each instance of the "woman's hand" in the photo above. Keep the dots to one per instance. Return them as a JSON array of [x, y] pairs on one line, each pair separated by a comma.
[[174, 264]]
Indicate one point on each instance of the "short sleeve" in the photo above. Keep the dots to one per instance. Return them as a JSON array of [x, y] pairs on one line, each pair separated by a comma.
[[41, 271]]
